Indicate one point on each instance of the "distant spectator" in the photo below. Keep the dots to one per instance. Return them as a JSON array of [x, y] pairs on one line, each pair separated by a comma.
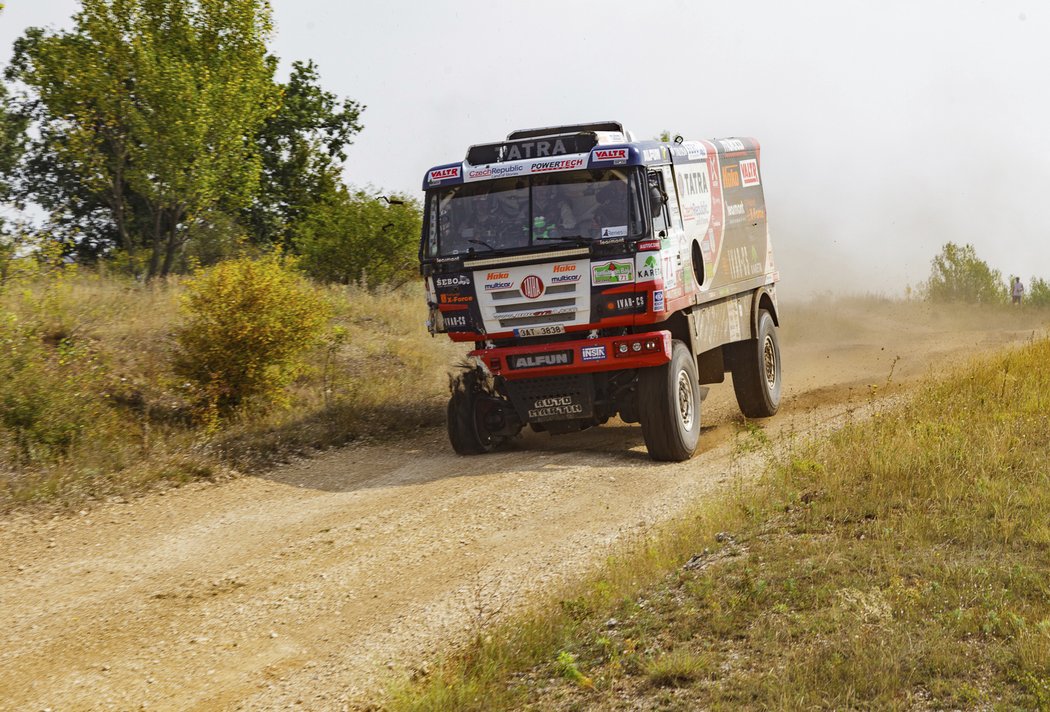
[[1017, 291]]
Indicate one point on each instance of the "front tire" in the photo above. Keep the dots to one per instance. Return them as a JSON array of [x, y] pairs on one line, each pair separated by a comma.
[[465, 420], [756, 370], [669, 406]]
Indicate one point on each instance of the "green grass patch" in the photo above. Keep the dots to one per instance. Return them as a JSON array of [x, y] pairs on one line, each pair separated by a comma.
[[901, 563]]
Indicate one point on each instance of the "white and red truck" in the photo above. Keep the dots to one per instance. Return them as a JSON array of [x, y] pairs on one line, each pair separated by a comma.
[[597, 276]]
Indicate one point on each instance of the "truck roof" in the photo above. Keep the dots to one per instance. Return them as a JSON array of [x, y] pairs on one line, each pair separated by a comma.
[[575, 147]]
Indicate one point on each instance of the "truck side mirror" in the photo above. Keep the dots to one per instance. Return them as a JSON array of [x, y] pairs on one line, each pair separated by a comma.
[[656, 200]]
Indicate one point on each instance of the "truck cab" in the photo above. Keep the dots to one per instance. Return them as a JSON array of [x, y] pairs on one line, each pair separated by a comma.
[[586, 267]]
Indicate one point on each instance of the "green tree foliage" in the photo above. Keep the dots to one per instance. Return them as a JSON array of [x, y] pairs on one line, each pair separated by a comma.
[[302, 147], [1038, 292], [248, 324], [356, 238], [148, 111], [957, 275]]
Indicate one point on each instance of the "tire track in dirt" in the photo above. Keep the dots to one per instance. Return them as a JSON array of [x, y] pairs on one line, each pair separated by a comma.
[[310, 583]]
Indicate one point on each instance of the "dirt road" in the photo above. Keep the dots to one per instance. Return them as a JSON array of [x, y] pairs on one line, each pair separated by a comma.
[[305, 586]]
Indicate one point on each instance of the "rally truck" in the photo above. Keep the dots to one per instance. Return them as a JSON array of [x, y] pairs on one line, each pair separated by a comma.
[[598, 276]]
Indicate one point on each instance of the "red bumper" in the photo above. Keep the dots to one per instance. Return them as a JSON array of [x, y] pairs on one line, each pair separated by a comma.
[[573, 357]]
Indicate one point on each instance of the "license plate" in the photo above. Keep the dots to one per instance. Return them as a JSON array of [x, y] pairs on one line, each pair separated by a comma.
[[540, 330]]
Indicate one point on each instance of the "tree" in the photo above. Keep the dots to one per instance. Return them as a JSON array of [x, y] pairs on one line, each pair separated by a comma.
[[354, 237], [1039, 292], [148, 112], [302, 145], [957, 275]]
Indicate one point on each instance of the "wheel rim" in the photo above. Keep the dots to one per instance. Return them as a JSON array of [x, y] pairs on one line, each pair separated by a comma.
[[769, 362], [686, 405]]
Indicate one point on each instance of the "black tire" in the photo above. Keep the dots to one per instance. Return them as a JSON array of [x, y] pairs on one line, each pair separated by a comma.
[[756, 370], [669, 406], [465, 420]]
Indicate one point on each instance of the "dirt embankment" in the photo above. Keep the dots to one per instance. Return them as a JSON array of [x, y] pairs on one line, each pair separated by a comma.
[[308, 584]]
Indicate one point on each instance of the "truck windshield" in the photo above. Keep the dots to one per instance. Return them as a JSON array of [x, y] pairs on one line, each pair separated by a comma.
[[514, 213]]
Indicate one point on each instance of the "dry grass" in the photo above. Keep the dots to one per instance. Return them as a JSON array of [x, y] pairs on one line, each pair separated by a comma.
[[378, 373], [900, 564]]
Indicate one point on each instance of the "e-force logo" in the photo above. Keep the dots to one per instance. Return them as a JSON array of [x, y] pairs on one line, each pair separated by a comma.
[[554, 358], [440, 174]]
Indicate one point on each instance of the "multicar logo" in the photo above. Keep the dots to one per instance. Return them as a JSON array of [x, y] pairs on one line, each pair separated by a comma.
[[554, 358]]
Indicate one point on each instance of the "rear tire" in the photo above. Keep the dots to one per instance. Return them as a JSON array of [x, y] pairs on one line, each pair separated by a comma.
[[669, 406], [756, 370]]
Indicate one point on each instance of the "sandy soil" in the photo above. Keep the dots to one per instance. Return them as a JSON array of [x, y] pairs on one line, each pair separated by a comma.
[[308, 585]]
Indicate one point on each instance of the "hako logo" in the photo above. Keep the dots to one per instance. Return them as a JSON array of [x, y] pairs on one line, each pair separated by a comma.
[[610, 154], [497, 275], [532, 286], [564, 268]]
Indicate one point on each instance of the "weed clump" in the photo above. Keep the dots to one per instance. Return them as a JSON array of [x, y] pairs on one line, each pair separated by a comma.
[[249, 324]]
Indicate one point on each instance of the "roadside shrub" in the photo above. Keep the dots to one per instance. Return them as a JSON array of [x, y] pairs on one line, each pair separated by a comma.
[[957, 275], [249, 323]]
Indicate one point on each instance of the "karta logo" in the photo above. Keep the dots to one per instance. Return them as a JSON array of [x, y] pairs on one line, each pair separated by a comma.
[[730, 177], [497, 275], [532, 286], [749, 172], [564, 268], [610, 154], [440, 174]]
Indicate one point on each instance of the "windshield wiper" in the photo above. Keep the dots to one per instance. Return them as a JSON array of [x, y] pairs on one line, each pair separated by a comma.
[[482, 243], [575, 239]]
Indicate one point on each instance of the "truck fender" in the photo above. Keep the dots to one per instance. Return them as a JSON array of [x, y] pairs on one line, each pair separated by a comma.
[[765, 298]]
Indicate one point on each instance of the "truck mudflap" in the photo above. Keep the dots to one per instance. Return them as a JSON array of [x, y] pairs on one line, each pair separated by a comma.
[[610, 353]]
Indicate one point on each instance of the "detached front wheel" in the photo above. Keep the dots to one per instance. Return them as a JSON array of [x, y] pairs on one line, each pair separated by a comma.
[[669, 406], [466, 415], [756, 370]]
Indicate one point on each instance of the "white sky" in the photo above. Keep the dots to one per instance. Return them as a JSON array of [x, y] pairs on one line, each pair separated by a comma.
[[888, 128]]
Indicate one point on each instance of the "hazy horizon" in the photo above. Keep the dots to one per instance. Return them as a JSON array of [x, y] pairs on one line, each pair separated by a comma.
[[887, 130]]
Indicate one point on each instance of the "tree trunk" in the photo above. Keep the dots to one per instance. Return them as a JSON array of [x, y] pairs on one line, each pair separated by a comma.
[[173, 243], [154, 258]]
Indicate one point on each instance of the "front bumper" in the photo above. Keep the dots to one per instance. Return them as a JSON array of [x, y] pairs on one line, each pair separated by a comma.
[[575, 357]]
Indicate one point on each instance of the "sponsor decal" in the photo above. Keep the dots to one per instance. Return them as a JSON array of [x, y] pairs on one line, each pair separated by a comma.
[[593, 353], [610, 154], [534, 149], [497, 275], [658, 300], [553, 358], [439, 174], [693, 183], [476, 173], [732, 144], [754, 213], [743, 262], [730, 177], [736, 212], [614, 231], [631, 303], [497, 171], [612, 272], [648, 268], [455, 298], [554, 405], [562, 165], [651, 155], [565, 278], [749, 172], [649, 245], [460, 280], [454, 321], [694, 150], [532, 287], [447, 259], [564, 268], [496, 286]]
